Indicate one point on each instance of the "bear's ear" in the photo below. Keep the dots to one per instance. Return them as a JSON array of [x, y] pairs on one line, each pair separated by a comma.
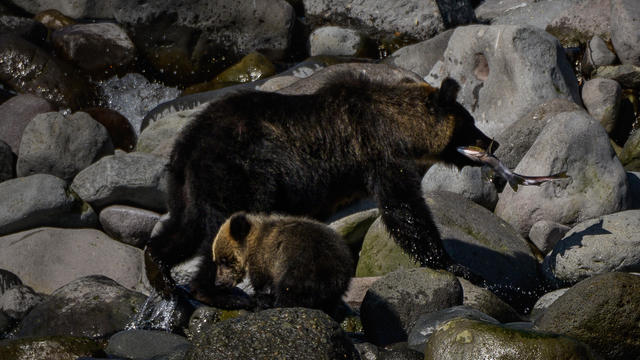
[[448, 92], [239, 226]]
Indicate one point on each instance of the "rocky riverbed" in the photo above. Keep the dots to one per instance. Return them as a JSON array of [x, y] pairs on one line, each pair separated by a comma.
[[92, 95]]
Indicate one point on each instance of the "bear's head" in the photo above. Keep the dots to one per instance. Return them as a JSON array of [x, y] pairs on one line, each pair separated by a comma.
[[229, 252]]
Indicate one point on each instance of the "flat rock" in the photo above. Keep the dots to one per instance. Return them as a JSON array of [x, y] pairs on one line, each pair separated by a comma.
[[144, 344], [16, 113], [128, 224]]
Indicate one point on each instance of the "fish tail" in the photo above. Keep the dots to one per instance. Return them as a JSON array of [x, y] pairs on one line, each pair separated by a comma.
[[514, 181]]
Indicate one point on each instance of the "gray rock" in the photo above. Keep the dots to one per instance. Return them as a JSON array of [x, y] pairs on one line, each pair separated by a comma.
[[545, 301], [581, 21], [625, 30], [128, 224], [490, 10], [51, 347], [93, 306], [337, 41], [16, 113], [488, 303], [159, 137], [19, 300], [427, 323], [420, 20], [95, 47], [144, 344], [465, 339], [7, 162], [467, 182], [605, 244], [392, 304], [533, 13], [136, 179], [41, 200], [602, 99], [62, 146], [602, 312], [48, 258], [634, 189], [546, 234], [421, 57], [627, 75], [203, 317], [630, 155], [597, 54], [284, 333], [500, 70], [101, 9], [578, 145], [8, 280]]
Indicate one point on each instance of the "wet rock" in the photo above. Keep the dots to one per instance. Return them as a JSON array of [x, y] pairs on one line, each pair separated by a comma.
[[627, 75], [630, 156], [29, 29], [17, 301], [602, 99], [288, 333], [353, 228], [427, 324], [48, 258], [93, 306], [53, 19], [545, 301], [51, 347], [494, 97], [421, 57], [8, 280], [338, 41], [134, 96], [604, 244], [358, 287], [625, 30], [145, 344], [531, 12], [28, 69], [135, 179], [546, 234], [467, 182], [61, 145], [577, 144], [7, 162], [95, 47], [16, 113], [204, 316], [74, 9], [393, 303], [602, 312], [597, 54], [120, 130], [41, 200], [464, 339], [127, 224], [427, 18], [581, 21], [487, 302]]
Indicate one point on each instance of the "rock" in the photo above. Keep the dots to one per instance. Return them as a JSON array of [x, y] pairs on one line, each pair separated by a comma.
[[487, 302], [286, 333], [581, 21], [518, 137], [597, 54], [8, 280], [499, 69], [48, 258], [532, 12], [159, 137], [421, 57], [625, 30], [53, 19], [393, 303], [16, 113], [134, 96], [135, 179], [17, 301], [204, 316], [628, 76], [369, 351], [634, 189], [545, 301], [26, 68], [353, 228], [546, 234], [489, 10], [92, 306], [62, 146], [630, 156], [602, 99], [41, 200], [50, 347], [467, 182], [75, 9], [464, 339], [7, 162], [95, 47], [144, 344], [338, 41], [427, 323], [357, 290], [127, 224], [602, 312], [596, 246], [577, 144], [419, 20], [122, 134], [29, 29]]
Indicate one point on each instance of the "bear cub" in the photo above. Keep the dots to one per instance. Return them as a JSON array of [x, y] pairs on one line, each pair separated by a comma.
[[290, 261]]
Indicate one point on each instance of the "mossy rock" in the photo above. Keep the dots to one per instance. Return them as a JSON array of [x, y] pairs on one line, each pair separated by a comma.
[[51, 348]]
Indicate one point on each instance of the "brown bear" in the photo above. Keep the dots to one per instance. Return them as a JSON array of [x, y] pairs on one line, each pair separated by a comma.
[[303, 155], [293, 260]]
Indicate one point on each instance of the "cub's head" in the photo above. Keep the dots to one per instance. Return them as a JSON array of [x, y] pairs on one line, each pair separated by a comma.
[[465, 132], [228, 250]]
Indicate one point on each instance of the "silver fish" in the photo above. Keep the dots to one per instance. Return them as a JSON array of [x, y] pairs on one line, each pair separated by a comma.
[[485, 157]]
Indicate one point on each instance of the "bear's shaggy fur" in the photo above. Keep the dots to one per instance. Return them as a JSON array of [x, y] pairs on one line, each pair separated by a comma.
[[304, 154], [293, 260]]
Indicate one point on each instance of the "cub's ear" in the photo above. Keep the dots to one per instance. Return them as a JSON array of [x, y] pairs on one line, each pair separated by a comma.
[[239, 226], [448, 92]]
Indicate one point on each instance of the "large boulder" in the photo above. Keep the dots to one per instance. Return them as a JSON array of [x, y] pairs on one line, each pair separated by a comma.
[[16, 113], [577, 144], [505, 71]]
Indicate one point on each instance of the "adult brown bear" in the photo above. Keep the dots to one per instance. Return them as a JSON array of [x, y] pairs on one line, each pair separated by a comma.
[[305, 154]]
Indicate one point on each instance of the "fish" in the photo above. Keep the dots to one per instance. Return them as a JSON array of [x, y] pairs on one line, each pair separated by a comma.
[[513, 179]]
